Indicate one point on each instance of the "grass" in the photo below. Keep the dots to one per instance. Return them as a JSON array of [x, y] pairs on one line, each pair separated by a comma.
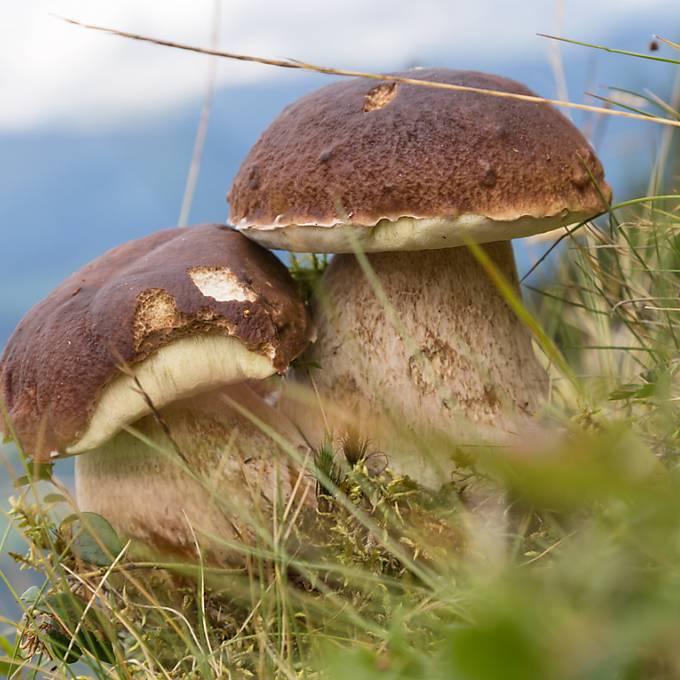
[[568, 569]]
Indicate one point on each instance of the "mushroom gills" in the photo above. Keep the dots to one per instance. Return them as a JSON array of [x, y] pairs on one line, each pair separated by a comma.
[[187, 366], [404, 233], [218, 481]]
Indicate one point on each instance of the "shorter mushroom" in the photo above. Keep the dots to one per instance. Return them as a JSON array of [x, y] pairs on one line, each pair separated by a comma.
[[147, 363]]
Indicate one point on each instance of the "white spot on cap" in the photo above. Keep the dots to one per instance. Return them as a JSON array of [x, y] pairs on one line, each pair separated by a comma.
[[221, 284]]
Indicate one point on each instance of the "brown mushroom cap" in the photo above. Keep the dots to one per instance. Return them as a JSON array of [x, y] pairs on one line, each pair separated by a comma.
[[416, 164], [135, 300]]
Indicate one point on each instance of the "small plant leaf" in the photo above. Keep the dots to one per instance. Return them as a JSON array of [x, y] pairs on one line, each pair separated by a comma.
[[6, 645], [632, 391], [35, 473], [94, 540], [55, 498], [13, 660], [30, 596], [70, 613], [60, 646], [304, 364], [8, 666]]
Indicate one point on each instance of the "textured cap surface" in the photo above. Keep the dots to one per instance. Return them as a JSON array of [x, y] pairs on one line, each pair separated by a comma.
[[131, 302], [356, 152]]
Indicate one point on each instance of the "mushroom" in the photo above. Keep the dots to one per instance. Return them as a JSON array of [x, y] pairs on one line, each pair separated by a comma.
[[409, 174], [147, 364]]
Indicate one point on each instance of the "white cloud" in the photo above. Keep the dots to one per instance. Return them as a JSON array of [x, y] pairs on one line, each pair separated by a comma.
[[51, 72]]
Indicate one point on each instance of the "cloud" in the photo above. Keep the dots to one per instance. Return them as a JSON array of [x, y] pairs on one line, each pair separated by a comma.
[[54, 73]]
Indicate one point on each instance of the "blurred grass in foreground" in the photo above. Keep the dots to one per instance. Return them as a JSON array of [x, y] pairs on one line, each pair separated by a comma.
[[568, 568]]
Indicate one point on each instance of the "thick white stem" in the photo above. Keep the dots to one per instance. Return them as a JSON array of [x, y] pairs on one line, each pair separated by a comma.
[[441, 352], [230, 482]]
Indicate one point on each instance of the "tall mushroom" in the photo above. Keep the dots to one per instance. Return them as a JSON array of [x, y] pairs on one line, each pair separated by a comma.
[[408, 174], [146, 364]]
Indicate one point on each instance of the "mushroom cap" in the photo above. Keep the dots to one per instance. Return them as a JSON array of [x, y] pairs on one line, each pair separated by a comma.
[[184, 309], [404, 167]]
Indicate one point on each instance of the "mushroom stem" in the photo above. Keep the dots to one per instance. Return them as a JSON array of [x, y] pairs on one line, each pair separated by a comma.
[[220, 480], [456, 360]]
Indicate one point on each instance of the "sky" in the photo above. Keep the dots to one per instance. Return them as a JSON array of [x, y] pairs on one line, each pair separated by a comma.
[[58, 74]]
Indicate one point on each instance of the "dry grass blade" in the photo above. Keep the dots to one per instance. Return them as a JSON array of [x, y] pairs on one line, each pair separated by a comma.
[[303, 66], [670, 43], [202, 129], [614, 102]]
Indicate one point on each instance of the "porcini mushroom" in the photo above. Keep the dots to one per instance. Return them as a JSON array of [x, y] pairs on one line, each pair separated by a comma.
[[146, 363], [409, 174]]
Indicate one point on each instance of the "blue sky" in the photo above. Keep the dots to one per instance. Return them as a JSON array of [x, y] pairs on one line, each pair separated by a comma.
[[61, 74]]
